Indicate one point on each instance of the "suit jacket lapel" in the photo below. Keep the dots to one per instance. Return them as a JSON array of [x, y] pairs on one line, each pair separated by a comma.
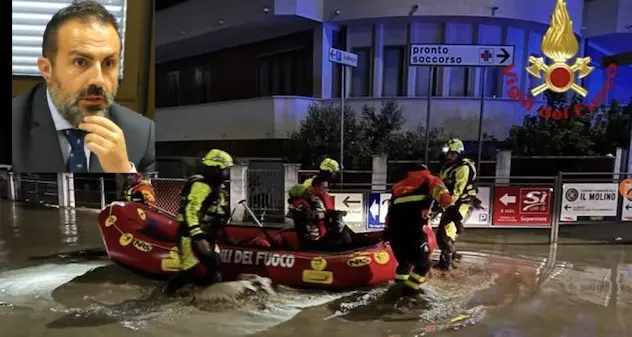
[[95, 165], [44, 140]]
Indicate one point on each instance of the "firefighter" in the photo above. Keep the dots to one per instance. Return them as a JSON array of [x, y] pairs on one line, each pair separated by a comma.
[[139, 190], [327, 172], [318, 225], [458, 174], [411, 239], [201, 216]]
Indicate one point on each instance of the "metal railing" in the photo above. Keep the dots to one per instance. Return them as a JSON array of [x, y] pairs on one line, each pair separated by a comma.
[[96, 192]]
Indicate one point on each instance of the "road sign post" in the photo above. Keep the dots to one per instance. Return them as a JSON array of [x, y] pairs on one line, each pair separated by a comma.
[[345, 59], [428, 105], [452, 55]]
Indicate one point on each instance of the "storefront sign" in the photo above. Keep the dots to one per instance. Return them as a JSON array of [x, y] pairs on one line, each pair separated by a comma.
[[589, 200], [522, 206]]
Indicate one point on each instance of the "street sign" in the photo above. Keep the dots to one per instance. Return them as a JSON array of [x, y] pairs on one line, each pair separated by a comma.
[[589, 200], [522, 206], [343, 57], [353, 204], [478, 217], [453, 55], [377, 208], [626, 210]]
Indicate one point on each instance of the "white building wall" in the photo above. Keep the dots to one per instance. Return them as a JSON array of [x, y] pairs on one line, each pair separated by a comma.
[[275, 117]]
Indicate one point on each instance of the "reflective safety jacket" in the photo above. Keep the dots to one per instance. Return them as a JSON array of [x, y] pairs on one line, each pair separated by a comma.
[[307, 221], [202, 209], [142, 192], [421, 187], [308, 182], [459, 179]]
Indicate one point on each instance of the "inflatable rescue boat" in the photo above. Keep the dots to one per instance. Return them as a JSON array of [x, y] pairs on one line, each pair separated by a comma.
[[144, 238]]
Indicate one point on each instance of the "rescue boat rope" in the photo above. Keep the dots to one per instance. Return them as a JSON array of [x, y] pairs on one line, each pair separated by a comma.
[[123, 233]]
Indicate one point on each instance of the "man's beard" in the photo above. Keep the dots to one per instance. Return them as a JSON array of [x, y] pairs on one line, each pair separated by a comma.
[[68, 105]]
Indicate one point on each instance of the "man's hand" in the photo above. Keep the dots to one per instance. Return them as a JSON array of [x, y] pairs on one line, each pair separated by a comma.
[[107, 141], [204, 247]]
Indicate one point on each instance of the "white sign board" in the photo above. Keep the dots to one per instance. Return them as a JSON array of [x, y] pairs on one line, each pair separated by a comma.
[[589, 200], [384, 200], [450, 55], [478, 217], [353, 204], [626, 210], [343, 57]]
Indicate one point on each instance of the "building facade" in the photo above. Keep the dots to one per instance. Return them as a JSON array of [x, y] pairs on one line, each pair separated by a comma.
[[247, 71]]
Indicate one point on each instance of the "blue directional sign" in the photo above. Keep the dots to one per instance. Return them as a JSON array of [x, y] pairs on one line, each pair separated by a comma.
[[377, 208], [343, 57]]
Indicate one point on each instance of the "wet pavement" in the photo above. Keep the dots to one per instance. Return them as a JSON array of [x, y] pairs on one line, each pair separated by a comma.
[[511, 283]]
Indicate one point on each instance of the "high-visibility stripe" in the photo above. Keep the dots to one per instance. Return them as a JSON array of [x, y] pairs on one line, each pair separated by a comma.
[[410, 198], [412, 284], [401, 277], [417, 277]]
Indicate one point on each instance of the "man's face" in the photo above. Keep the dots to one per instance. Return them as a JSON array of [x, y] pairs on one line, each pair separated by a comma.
[[83, 76], [451, 156]]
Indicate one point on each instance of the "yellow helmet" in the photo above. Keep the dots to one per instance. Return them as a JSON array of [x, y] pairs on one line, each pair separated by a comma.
[[218, 158], [297, 190], [454, 145], [329, 165]]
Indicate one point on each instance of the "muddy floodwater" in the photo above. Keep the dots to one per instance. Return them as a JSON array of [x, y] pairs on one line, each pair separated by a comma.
[[510, 283]]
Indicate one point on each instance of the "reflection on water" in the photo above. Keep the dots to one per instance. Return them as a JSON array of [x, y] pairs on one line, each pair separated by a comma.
[[517, 290], [68, 221]]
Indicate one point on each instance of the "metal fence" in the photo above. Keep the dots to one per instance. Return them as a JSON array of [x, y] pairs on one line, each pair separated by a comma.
[[566, 189]]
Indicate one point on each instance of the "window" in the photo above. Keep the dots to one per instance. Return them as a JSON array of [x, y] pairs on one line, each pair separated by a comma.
[[461, 79], [421, 85], [516, 36], [203, 84], [285, 73], [173, 89], [492, 86], [339, 42], [393, 72], [535, 40], [361, 75], [429, 33], [29, 19]]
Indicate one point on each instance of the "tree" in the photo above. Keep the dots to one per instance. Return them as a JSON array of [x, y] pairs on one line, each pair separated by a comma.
[[376, 131], [380, 128], [318, 136], [590, 133]]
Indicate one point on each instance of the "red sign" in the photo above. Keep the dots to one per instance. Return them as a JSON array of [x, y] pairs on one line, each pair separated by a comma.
[[522, 206]]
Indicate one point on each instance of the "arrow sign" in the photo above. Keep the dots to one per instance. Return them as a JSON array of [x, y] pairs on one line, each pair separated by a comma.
[[628, 206], [504, 55], [374, 209], [346, 201], [508, 199], [567, 207]]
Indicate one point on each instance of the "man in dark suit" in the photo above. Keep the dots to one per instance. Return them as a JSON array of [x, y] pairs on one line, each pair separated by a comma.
[[71, 123]]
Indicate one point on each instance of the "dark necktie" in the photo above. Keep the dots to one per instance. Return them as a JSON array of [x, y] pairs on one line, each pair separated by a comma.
[[77, 160]]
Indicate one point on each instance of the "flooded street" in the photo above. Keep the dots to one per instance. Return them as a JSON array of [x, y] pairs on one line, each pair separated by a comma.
[[508, 284]]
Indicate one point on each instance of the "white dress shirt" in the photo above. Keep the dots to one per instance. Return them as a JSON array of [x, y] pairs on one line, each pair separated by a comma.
[[62, 124]]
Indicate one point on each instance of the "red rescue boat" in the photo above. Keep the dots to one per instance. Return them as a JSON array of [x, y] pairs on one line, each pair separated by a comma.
[[144, 239]]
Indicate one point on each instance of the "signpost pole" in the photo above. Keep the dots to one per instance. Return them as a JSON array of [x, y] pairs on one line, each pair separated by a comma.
[[343, 89], [428, 106], [480, 123]]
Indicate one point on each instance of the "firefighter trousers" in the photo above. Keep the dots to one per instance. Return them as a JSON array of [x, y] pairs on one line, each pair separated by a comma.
[[450, 227], [196, 267], [410, 247]]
